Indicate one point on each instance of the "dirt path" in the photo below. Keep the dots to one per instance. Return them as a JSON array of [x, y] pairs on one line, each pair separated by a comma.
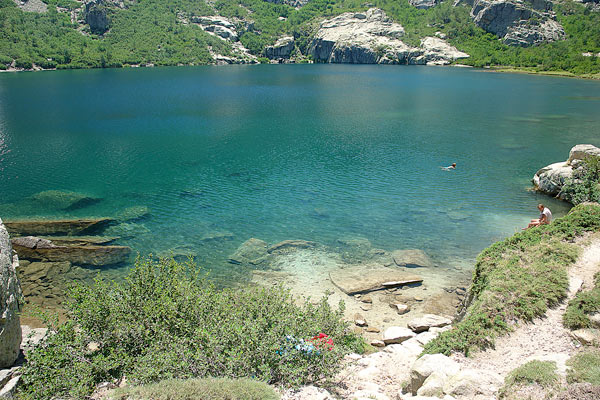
[[545, 338]]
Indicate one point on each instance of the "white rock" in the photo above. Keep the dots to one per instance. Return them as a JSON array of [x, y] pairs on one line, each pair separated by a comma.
[[307, 393], [401, 308], [427, 365], [439, 52], [426, 337], [433, 385], [470, 383], [427, 321], [396, 334], [377, 343]]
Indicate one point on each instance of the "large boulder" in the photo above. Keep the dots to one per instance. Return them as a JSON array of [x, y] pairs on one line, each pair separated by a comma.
[[57, 227], [429, 364], [10, 295], [551, 179], [62, 200], [368, 278], [427, 321], [252, 251], [516, 22], [38, 249], [281, 49], [412, 258]]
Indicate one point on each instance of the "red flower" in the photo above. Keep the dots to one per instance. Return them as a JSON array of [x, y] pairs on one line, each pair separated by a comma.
[[322, 342]]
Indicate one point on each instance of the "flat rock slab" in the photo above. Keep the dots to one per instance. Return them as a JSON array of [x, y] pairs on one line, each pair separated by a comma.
[[412, 258], [427, 321], [81, 240], [80, 255], [290, 245], [56, 227], [368, 278]]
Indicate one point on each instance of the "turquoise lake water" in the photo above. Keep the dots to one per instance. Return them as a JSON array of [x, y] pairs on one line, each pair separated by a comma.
[[315, 152]]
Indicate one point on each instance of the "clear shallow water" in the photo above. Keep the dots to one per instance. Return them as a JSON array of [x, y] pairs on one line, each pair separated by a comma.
[[313, 152]]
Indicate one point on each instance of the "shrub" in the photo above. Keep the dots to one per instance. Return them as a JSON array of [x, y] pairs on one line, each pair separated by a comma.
[[518, 279], [193, 389], [542, 373], [166, 320], [585, 367], [585, 303], [584, 186]]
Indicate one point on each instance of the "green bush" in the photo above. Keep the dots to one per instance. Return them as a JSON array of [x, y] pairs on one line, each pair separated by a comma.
[[168, 321], [585, 303], [542, 373], [518, 279], [584, 186], [194, 389], [585, 367]]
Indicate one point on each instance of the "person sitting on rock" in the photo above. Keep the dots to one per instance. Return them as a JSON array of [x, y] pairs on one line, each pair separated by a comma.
[[448, 168], [545, 217]]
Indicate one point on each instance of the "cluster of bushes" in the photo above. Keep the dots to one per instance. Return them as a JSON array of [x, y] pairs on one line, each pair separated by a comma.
[[584, 186], [582, 306], [151, 31], [167, 321], [517, 279]]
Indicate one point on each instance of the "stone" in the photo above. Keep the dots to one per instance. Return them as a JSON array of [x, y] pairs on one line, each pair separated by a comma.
[[70, 227], [396, 335], [62, 200], [433, 386], [423, 4], [80, 240], [282, 48], [217, 237], [288, 245], [368, 278], [427, 321], [412, 258], [308, 393], [359, 320], [551, 179], [31, 337], [425, 337], [595, 319], [9, 390], [83, 255], [373, 329], [251, 251], [365, 38], [10, 294], [400, 308], [366, 307], [516, 23], [470, 383], [427, 365], [218, 26], [439, 52], [377, 343], [366, 299]]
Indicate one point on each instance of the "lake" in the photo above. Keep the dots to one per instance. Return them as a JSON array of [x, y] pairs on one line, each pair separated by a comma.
[[316, 152]]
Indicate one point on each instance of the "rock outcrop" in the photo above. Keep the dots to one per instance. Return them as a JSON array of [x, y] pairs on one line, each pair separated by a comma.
[[282, 49], [67, 227], [10, 295], [551, 179], [37, 6], [96, 16], [293, 3], [373, 38], [218, 26], [518, 23], [423, 4]]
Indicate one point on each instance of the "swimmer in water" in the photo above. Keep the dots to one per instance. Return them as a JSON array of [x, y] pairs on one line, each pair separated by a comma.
[[450, 167]]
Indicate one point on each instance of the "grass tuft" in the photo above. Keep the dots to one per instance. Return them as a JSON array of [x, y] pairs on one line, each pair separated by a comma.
[[585, 367]]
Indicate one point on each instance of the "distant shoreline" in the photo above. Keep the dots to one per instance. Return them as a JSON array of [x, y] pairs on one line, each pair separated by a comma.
[[502, 69]]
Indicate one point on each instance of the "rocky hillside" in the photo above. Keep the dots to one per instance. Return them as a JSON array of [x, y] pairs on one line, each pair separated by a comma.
[[537, 34]]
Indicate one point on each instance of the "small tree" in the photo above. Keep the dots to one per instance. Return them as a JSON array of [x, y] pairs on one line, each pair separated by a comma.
[[584, 185]]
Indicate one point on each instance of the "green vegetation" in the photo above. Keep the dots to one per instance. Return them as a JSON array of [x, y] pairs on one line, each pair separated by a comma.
[[585, 367], [542, 373], [584, 304], [193, 389], [158, 32], [166, 321], [518, 279], [585, 183]]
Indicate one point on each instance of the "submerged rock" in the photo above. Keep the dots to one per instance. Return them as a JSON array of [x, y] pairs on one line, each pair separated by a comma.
[[134, 213], [43, 227], [32, 248], [252, 251], [288, 245], [368, 278], [412, 258], [63, 200], [10, 293]]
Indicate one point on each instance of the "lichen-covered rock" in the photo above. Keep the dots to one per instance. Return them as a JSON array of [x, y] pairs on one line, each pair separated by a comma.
[[281, 49], [10, 295], [517, 23]]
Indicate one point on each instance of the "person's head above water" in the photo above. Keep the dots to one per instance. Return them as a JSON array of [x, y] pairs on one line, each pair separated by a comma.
[[541, 207], [454, 164]]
